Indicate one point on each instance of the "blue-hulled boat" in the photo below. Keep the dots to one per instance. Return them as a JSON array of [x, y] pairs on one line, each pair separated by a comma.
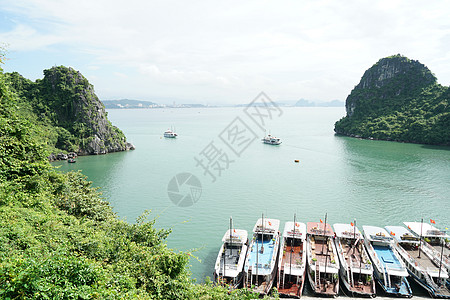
[[261, 261], [389, 269]]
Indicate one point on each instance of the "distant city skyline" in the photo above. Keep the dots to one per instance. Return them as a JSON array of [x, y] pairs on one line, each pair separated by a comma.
[[215, 52]]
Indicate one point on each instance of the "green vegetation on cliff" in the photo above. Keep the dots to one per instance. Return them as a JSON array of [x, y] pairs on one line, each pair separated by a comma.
[[63, 105], [398, 99], [60, 240]]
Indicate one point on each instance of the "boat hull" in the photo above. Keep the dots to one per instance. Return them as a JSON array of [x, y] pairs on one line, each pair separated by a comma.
[[295, 290], [390, 291], [433, 293], [316, 290], [238, 280], [266, 285], [355, 292]]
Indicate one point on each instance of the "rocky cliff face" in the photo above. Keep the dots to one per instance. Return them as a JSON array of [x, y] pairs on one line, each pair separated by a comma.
[[398, 99], [80, 111], [390, 79]]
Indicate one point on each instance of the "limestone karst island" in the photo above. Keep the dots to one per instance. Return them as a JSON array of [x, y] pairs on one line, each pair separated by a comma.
[[398, 99]]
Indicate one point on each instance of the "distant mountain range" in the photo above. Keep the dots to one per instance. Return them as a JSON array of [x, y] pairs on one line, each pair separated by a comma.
[[307, 103], [303, 103], [127, 103]]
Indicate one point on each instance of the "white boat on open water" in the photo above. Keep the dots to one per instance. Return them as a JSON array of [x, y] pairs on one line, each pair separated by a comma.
[[271, 140], [356, 269], [230, 260], [260, 267], [389, 269], [170, 134], [323, 264], [420, 264], [292, 260]]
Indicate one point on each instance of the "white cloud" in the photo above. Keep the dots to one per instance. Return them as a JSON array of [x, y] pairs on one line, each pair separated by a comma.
[[231, 49]]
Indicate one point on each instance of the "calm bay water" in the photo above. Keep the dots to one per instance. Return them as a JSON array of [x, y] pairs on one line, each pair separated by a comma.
[[375, 182]]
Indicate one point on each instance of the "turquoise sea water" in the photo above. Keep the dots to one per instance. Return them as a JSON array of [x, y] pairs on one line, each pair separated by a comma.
[[375, 182]]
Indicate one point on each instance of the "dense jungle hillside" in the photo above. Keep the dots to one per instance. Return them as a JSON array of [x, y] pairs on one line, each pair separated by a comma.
[[398, 99]]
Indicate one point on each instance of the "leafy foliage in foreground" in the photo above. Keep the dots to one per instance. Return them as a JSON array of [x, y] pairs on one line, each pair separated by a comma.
[[60, 240], [398, 99]]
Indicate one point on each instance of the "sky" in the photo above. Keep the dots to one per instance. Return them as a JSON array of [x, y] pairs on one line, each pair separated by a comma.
[[222, 52]]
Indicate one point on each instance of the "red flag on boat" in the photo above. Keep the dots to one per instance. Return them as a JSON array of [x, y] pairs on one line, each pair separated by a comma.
[[392, 233], [351, 223], [432, 221], [321, 221]]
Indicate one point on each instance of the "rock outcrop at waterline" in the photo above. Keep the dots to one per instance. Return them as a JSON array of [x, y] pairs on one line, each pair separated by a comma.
[[398, 99], [65, 104]]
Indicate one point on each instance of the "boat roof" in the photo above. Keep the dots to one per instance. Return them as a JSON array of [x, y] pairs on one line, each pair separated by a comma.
[[373, 233], [317, 228], [428, 230], [237, 236], [346, 231], [402, 235], [270, 226], [300, 230]]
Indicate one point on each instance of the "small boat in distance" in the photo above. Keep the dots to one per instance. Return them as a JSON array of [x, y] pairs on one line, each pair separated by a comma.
[[323, 265], [271, 140], [230, 260], [355, 267], [260, 267], [170, 134], [389, 269], [292, 260], [427, 273], [71, 161]]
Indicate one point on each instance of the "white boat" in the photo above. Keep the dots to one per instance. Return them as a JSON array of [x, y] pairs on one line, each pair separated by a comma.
[[420, 264], [170, 134], [292, 260], [271, 140], [323, 265], [434, 242], [261, 261], [356, 270], [389, 269], [230, 260]]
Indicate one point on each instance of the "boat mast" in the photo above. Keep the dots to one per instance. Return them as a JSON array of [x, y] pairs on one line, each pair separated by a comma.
[[231, 237], [262, 241], [257, 250], [440, 263], [292, 250], [420, 240], [326, 256], [354, 234]]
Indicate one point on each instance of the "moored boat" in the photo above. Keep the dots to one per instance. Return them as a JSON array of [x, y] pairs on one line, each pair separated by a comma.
[[323, 265], [292, 260], [435, 243], [230, 260], [389, 270], [356, 270], [271, 140], [261, 261], [421, 267]]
